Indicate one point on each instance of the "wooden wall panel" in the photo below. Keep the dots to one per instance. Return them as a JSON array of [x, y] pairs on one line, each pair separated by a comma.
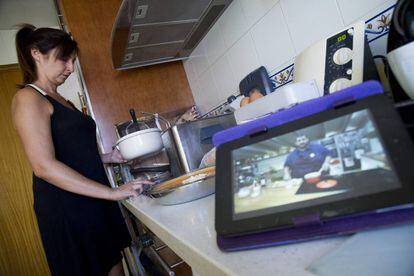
[[159, 88], [21, 250]]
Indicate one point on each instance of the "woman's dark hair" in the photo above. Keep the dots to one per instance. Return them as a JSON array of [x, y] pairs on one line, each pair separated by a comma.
[[45, 40]]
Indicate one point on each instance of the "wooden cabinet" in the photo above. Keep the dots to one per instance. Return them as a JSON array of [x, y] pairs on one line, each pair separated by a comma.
[[21, 250], [159, 88]]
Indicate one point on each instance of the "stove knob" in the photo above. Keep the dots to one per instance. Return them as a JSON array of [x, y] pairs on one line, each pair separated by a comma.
[[339, 84], [342, 56]]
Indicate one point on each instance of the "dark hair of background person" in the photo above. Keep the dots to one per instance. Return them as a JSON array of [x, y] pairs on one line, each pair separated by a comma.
[[45, 40]]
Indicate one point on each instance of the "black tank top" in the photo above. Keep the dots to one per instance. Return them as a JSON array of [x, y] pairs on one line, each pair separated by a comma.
[[74, 141]]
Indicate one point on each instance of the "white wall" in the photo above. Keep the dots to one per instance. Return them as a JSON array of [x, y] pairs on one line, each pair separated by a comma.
[[40, 13], [8, 50], [69, 89], [252, 33], [37, 12]]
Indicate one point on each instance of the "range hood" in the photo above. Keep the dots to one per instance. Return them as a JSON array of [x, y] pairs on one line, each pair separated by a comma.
[[148, 32]]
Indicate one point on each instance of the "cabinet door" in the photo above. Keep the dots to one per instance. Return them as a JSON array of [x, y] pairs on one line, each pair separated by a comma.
[[21, 250]]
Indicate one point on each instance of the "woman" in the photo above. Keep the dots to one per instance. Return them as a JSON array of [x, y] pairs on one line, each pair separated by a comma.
[[79, 220]]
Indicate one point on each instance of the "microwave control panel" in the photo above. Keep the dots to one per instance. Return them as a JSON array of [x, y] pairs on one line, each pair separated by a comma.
[[338, 61]]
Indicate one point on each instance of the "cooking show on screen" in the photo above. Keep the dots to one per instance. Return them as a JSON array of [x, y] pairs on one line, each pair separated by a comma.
[[340, 158]]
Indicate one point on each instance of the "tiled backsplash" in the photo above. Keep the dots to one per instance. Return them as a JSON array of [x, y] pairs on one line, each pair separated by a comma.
[[271, 33]]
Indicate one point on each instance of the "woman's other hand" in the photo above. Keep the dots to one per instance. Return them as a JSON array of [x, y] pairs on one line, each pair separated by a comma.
[[130, 189], [113, 157], [116, 157]]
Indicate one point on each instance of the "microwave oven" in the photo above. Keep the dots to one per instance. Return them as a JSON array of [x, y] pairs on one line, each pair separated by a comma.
[[342, 60]]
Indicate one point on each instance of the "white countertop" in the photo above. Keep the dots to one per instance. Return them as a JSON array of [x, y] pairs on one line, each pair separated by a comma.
[[188, 229]]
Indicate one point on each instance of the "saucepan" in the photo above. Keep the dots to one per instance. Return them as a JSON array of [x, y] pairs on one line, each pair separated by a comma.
[[138, 142]]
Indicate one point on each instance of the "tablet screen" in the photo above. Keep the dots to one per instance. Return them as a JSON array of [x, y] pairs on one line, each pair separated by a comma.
[[334, 160]]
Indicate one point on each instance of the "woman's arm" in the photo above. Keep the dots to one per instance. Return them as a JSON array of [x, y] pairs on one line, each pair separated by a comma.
[[31, 118]]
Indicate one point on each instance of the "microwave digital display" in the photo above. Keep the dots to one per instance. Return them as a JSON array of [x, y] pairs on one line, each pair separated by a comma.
[[341, 38]]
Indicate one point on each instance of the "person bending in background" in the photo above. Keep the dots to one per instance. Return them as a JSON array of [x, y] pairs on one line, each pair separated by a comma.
[[306, 158], [80, 223]]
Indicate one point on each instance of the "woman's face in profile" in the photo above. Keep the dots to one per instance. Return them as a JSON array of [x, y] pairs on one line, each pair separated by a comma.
[[55, 70]]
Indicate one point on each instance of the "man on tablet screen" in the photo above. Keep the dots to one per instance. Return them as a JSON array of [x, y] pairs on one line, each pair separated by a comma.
[[306, 158]]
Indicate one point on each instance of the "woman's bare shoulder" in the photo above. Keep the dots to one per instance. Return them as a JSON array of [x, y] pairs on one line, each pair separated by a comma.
[[27, 94], [30, 99]]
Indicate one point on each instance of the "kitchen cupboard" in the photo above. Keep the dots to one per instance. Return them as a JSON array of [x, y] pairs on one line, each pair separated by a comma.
[[21, 250], [159, 88]]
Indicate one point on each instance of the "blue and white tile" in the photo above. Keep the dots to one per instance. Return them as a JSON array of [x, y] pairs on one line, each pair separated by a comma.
[[377, 21], [224, 77], [243, 57], [199, 59], [355, 10], [214, 43], [233, 23], [272, 39], [255, 10], [379, 45], [283, 75], [310, 21]]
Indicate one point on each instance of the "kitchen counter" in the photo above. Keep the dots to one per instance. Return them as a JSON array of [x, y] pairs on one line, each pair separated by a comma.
[[188, 229]]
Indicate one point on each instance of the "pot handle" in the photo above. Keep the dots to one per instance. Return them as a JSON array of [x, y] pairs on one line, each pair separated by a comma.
[[166, 122], [157, 118], [133, 116]]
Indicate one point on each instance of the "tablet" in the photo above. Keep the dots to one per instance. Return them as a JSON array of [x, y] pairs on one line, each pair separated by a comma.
[[349, 161]]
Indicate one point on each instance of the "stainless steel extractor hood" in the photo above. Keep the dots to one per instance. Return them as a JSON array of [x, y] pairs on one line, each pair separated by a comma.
[[148, 32]]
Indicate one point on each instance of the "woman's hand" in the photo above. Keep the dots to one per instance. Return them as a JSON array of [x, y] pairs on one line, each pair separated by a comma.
[[114, 157], [130, 189]]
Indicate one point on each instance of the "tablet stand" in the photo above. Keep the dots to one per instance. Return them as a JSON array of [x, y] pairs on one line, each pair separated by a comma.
[[314, 229]]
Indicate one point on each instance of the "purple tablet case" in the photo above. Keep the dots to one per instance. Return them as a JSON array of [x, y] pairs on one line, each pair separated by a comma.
[[309, 227], [301, 110], [312, 228]]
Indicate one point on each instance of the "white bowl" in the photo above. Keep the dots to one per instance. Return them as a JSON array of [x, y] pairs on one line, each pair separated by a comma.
[[313, 177], [140, 143], [401, 61]]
